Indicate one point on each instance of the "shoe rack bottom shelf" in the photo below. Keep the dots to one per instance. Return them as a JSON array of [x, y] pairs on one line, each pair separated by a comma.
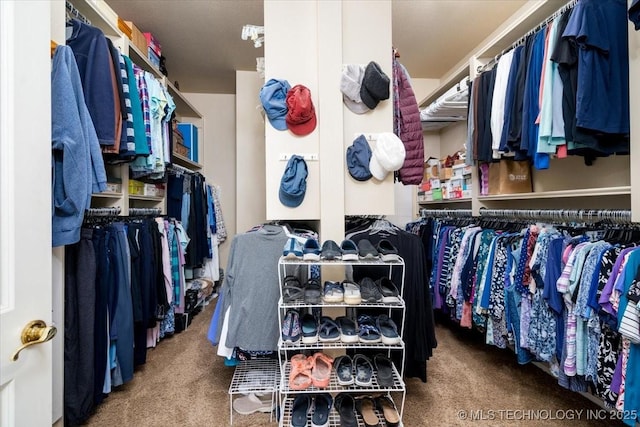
[[334, 417], [257, 375]]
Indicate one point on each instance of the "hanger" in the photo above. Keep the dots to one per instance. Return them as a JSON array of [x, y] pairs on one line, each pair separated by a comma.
[[382, 225]]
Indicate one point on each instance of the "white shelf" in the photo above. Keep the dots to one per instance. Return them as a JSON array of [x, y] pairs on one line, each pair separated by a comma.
[[339, 345], [299, 303], [107, 195], [148, 198], [334, 387], [445, 201], [334, 417], [256, 375], [583, 192], [183, 161], [289, 261], [141, 59], [184, 108], [97, 17]]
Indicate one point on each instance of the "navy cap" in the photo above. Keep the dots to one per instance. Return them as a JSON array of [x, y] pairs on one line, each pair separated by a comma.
[[273, 97], [293, 184], [358, 158]]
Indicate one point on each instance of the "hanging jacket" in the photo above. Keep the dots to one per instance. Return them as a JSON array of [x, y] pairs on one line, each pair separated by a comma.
[[407, 126]]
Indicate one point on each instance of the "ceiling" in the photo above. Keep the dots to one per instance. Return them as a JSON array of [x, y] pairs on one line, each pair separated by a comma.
[[201, 39]]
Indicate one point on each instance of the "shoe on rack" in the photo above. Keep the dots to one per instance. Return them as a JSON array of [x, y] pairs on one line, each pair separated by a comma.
[[349, 250], [388, 330], [309, 329], [389, 411], [351, 292], [364, 370], [366, 250], [343, 366], [251, 403], [368, 332], [384, 368], [389, 291], [388, 252], [321, 370], [367, 408], [291, 329], [300, 376], [321, 408], [311, 250], [329, 330], [292, 249], [348, 329], [369, 291], [333, 292], [330, 251], [291, 289], [312, 292], [346, 407], [300, 409]]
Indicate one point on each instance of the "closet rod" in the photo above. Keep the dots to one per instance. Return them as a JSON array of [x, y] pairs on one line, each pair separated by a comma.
[[618, 216], [144, 211], [71, 9], [554, 15], [178, 168], [424, 213], [103, 211]]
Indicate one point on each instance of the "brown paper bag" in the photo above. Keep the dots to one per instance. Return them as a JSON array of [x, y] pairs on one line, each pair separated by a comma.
[[515, 177]]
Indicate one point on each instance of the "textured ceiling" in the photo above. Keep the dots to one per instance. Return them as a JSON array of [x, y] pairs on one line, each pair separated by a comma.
[[201, 39]]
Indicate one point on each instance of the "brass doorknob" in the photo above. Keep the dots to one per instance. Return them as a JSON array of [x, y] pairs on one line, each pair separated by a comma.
[[36, 332]]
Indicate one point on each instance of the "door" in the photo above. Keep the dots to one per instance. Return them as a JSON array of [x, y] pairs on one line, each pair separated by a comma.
[[25, 211]]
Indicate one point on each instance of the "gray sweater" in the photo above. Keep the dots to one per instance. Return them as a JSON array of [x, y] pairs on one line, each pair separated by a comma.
[[251, 288]]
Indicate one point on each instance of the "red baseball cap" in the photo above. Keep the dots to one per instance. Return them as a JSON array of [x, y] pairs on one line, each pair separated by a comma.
[[301, 115]]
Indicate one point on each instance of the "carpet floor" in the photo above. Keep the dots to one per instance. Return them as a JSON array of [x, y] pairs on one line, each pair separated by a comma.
[[184, 383]]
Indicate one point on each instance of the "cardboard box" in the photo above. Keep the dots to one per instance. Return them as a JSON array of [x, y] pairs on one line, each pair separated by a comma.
[[189, 132], [153, 58], [136, 187], [125, 27], [437, 193], [431, 169], [156, 190], [137, 37], [181, 150], [445, 174]]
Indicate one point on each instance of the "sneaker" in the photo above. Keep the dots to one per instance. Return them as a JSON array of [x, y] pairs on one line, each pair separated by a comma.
[[330, 250], [291, 329], [311, 250], [292, 249], [351, 292], [389, 291], [309, 327], [388, 330], [369, 291], [333, 292], [349, 250], [387, 251], [366, 250], [368, 332]]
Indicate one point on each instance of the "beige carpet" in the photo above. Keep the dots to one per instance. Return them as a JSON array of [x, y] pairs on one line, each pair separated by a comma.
[[184, 383]]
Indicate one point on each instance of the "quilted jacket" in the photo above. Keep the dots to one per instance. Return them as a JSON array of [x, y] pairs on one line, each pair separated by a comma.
[[407, 126]]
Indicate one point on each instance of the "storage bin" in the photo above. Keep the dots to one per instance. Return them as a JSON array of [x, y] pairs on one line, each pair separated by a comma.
[[137, 37], [189, 133], [153, 44], [136, 187]]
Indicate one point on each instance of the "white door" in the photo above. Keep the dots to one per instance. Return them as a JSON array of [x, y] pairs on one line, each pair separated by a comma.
[[25, 211]]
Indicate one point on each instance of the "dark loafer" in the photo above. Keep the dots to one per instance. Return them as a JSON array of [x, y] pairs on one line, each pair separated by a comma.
[[366, 250], [369, 291], [330, 250], [389, 291], [387, 251]]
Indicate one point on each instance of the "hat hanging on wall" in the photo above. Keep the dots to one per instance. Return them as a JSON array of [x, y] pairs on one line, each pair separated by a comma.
[[350, 85], [358, 158], [388, 156], [301, 115], [375, 85], [293, 184], [273, 97]]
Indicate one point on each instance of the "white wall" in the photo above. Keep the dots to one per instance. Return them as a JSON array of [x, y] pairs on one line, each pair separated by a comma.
[[217, 154], [250, 151]]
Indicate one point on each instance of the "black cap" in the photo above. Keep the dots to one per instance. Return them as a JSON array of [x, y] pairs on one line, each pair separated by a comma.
[[375, 85]]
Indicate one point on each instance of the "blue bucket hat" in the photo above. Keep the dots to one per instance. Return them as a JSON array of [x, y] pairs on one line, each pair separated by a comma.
[[273, 97], [293, 184], [358, 158]]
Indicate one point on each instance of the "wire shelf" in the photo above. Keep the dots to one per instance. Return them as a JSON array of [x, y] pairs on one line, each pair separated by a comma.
[[300, 303], [375, 387], [337, 344], [256, 375], [289, 261]]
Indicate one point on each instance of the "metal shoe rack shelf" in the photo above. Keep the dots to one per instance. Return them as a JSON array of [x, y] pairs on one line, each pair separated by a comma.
[[286, 350]]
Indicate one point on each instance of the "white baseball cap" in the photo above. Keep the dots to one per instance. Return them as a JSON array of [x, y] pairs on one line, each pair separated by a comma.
[[387, 156]]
